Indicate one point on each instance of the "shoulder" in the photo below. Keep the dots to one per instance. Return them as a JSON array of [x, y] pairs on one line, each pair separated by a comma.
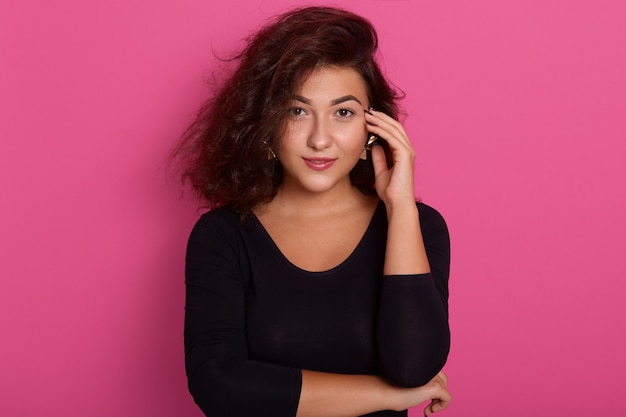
[[217, 217], [218, 225]]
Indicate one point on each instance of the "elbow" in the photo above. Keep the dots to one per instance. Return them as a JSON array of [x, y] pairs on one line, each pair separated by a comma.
[[216, 396], [203, 387], [417, 367], [208, 384], [200, 397], [416, 376]]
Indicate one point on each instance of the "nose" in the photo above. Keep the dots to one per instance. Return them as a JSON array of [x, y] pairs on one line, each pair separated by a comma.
[[320, 135]]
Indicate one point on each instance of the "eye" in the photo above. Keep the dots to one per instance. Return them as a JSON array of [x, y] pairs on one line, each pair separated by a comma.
[[297, 111], [345, 113]]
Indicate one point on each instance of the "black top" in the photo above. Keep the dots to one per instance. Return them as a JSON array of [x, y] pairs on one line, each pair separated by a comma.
[[253, 320]]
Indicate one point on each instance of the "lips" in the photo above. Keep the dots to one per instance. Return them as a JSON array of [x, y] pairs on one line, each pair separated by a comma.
[[319, 164]]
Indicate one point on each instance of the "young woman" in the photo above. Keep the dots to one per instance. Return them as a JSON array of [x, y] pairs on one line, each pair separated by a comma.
[[316, 285]]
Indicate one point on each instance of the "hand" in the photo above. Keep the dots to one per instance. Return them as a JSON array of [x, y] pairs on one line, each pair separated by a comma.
[[442, 398], [395, 184]]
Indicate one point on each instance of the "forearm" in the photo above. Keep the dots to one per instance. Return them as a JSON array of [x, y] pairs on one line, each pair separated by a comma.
[[337, 395], [405, 253], [413, 333]]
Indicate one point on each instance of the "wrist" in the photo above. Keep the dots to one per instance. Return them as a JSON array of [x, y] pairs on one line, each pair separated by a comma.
[[405, 398], [405, 208], [396, 398]]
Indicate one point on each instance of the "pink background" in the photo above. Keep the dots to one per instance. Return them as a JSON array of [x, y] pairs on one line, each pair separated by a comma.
[[516, 108]]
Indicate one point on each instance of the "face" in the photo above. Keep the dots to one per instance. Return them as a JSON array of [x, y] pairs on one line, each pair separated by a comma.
[[325, 131]]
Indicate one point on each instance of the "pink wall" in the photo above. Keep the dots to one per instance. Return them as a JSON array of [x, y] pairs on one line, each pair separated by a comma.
[[517, 110]]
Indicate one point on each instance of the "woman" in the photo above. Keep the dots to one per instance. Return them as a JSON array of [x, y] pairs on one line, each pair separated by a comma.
[[316, 285]]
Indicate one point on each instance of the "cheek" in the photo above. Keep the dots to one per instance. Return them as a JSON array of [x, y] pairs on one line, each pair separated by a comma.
[[288, 138], [355, 138]]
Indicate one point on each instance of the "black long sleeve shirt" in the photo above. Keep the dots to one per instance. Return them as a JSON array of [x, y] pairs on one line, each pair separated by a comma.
[[253, 320]]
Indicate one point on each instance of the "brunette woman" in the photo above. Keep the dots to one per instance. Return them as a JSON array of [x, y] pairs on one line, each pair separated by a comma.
[[316, 285]]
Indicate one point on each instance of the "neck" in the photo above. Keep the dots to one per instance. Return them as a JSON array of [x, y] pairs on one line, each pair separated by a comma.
[[295, 200]]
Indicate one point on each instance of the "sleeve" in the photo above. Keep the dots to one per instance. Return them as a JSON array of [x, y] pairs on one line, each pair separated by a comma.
[[413, 332], [221, 378]]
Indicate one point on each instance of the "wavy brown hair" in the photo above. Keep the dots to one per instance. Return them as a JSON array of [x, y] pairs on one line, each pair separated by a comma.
[[223, 152]]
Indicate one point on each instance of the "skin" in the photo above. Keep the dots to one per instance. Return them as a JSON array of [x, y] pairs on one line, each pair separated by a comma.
[[318, 218]]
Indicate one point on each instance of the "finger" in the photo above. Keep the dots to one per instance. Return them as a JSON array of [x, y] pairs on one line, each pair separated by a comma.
[[385, 118], [437, 405], [390, 133], [441, 403], [399, 145], [428, 410], [390, 128], [379, 160], [379, 119], [399, 148]]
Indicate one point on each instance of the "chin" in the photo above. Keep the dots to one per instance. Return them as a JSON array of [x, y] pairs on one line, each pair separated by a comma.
[[319, 187]]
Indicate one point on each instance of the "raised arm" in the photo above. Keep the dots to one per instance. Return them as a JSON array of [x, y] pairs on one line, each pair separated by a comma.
[[413, 331], [413, 327]]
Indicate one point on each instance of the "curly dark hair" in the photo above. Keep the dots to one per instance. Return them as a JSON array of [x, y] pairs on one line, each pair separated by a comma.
[[223, 152]]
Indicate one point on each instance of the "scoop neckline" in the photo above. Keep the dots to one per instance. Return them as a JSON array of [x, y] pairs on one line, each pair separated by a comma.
[[330, 271]]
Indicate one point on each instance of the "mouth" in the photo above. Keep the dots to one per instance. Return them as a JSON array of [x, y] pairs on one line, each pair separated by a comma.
[[319, 164]]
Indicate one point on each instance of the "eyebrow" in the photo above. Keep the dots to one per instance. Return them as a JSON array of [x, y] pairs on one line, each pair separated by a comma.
[[332, 103]]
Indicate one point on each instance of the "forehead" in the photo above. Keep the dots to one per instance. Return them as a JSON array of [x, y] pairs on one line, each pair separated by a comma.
[[332, 82]]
